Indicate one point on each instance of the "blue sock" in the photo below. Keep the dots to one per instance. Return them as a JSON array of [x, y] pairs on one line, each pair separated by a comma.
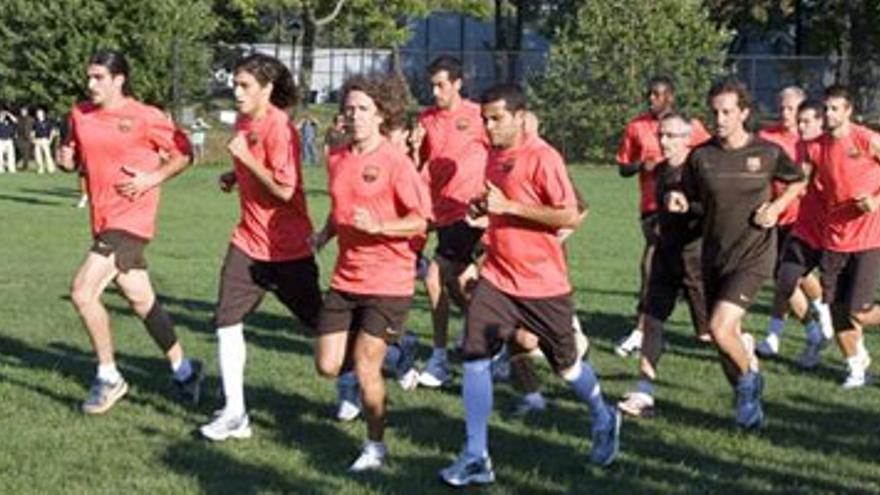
[[585, 383], [476, 390]]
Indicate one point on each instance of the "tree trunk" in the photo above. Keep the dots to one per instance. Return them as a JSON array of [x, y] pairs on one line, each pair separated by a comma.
[[307, 64], [500, 43]]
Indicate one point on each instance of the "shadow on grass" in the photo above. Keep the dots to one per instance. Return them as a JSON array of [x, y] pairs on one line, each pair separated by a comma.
[[28, 200]]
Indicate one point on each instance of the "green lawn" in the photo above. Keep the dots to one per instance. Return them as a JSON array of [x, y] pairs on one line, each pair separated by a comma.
[[819, 438]]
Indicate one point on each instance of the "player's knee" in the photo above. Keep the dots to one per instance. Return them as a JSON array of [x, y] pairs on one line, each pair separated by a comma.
[[327, 366], [81, 294]]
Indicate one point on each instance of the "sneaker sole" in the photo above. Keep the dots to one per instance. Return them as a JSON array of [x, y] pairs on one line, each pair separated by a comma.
[[241, 434], [431, 381], [645, 412], [482, 479], [111, 401]]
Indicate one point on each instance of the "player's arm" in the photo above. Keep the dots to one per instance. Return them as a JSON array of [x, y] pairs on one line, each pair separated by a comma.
[[238, 148], [320, 238], [412, 224], [564, 217], [139, 181], [796, 181], [869, 203]]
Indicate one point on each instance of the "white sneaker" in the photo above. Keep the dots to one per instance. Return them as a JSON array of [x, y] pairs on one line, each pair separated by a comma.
[[407, 374], [823, 314], [630, 344], [227, 426], [348, 399], [83, 201], [409, 380], [435, 374], [529, 404], [769, 347], [372, 457], [638, 404], [749, 343], [858, 372]]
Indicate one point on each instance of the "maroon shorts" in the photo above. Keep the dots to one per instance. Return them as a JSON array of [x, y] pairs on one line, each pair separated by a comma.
[[127, 248], [738, 287], [244, 281], [850, 278], [379, 316], [458, 242], [493, 317]]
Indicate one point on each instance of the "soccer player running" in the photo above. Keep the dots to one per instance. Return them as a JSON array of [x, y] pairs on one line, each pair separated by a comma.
[[379, 206], [453, 152], [118, 140], [269, 250], [847, 168], [732, 177], [676, 263], [523, 282], [805, 300], [639, 153]]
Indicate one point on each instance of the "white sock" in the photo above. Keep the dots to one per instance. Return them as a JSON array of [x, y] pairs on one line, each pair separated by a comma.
[[777, 325], [645, 387], [232, 354], [182, 369], [439, 354], [583, 380], [109, 373], [476, 390]]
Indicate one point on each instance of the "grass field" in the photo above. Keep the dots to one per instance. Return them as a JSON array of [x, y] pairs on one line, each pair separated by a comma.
[[819, 438]]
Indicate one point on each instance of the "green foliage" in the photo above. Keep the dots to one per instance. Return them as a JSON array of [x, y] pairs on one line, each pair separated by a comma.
[[45, 45], [601, 60]]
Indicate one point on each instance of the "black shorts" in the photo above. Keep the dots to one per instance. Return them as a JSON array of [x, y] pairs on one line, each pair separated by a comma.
[[244, 281], [379, 316], [493, 317], [783, 234], [798, 253], [850, 278], [127, 248], [458, 242], [737, 287], [668, 276]]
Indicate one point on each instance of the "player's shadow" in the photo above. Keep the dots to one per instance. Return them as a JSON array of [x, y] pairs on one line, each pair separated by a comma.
[[28, 200], [59, 192]]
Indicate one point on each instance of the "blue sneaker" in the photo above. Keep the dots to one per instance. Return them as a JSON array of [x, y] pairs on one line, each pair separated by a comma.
[[749, 413], [467, 470], [606, 439]]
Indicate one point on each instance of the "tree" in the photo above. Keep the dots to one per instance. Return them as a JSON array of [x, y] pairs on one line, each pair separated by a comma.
[[45, 45], [601, 60]]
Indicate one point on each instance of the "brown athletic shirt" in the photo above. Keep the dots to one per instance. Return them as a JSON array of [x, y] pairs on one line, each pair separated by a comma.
[[731, 185]]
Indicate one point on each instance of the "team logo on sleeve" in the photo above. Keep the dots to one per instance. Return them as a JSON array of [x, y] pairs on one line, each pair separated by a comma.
[[462, 124], [253, 138], [125, 124], [370, 173], [753, 164], [853, 152]]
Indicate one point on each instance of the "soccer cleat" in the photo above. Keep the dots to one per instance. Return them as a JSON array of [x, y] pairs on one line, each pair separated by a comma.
[[749, 412], [467, 470], [103, 395], [769, 347], [406, 372], [749, 343], [606, 439], [83, 201], [226, 426], [822, 313], [535, 403], [372, 457], [190, 390], [811, 356], [630, 344], [637, 404], [435, 374], [858, 372], [348, 395]]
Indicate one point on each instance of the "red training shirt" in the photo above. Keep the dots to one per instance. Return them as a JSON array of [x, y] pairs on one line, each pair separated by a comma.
[[789, 142]]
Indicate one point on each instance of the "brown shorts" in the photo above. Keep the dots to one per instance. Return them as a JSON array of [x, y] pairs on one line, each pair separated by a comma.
[[458, 242], [850, 278], [738, 287], [379, 316], [494, 316], [127, 248], [244, 281]]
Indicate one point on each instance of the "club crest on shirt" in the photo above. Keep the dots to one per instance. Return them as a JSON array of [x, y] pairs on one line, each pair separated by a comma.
[[462, 123], [753, 164], [507, 166], [125, 124], [370, 173], [252, 138], [853, 152]]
